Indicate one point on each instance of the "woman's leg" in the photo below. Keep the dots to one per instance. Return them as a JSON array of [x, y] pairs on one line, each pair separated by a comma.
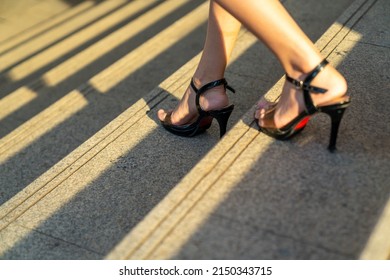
[[271, 23], [222, 32]]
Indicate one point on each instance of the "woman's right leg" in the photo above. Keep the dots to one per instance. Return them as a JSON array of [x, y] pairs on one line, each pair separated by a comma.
[[272, 24], [222, 31]]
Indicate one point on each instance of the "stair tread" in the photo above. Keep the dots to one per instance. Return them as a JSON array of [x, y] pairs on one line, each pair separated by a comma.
[[202, 213], [92, 93], [39, 43], [38, 14], [67, 75], [134, 191], [33, 31], [74, 41]]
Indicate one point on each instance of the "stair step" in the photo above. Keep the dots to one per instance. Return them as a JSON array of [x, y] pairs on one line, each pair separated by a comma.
[[21, 104], [18, 39], [205, 215], [67, 47], [37, 44], [34, 14], [135, 191], [100, 94]]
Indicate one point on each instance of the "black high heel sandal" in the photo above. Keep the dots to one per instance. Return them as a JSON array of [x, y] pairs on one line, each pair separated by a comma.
[[334, 110], [205, 118]]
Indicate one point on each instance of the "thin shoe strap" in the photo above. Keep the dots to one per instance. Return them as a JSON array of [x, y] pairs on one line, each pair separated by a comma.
[[208, 86], [307, 88]]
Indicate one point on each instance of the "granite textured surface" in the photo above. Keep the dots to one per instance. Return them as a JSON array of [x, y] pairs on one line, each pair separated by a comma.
[[297, 189], [129, 189]]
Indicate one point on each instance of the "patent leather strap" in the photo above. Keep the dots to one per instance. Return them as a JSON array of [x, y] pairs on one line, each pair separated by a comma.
[[307, 88], [204, 118], [206, 87]]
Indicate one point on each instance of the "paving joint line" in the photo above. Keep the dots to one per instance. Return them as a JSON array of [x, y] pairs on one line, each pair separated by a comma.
[[298, 240], [272, 232], [370, 44], [60, 239]]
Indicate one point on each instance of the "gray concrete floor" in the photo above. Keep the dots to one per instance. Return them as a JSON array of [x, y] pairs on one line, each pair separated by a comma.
[[104, 199]]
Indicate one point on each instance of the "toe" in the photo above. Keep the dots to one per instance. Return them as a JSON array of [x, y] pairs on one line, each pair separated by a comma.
[[262, 107], [161, 114], [259, 113]]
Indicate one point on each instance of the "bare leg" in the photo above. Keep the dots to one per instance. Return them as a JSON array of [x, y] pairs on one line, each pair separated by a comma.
[[271, 23], [222, 33]]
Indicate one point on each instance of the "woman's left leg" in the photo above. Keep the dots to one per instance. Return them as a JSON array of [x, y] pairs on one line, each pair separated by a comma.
[[222, 31]]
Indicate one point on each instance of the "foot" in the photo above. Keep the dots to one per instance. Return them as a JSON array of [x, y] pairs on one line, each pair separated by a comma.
[[186, 111], [291, 102]]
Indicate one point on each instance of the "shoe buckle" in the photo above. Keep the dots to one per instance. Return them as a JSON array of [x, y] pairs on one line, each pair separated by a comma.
[[298, 84]]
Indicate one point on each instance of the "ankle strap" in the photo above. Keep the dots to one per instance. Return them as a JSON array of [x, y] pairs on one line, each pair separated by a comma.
[[208, 86], [307, 88]]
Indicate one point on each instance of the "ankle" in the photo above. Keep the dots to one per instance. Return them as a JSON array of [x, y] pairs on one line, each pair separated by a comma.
[[214, 98], [201, 80], [329, 78], [301, 71]]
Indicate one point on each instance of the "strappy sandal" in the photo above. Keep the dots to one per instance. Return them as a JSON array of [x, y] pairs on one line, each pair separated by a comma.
[[334, 109], [205, 118]]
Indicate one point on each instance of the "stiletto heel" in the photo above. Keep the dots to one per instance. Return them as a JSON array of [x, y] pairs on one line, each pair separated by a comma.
[[335, 113], [205, 118], [222, 116], [334, 110]]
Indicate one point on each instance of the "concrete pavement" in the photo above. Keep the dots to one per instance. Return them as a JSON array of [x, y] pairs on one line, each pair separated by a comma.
[[134, 191], [251, 197]]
